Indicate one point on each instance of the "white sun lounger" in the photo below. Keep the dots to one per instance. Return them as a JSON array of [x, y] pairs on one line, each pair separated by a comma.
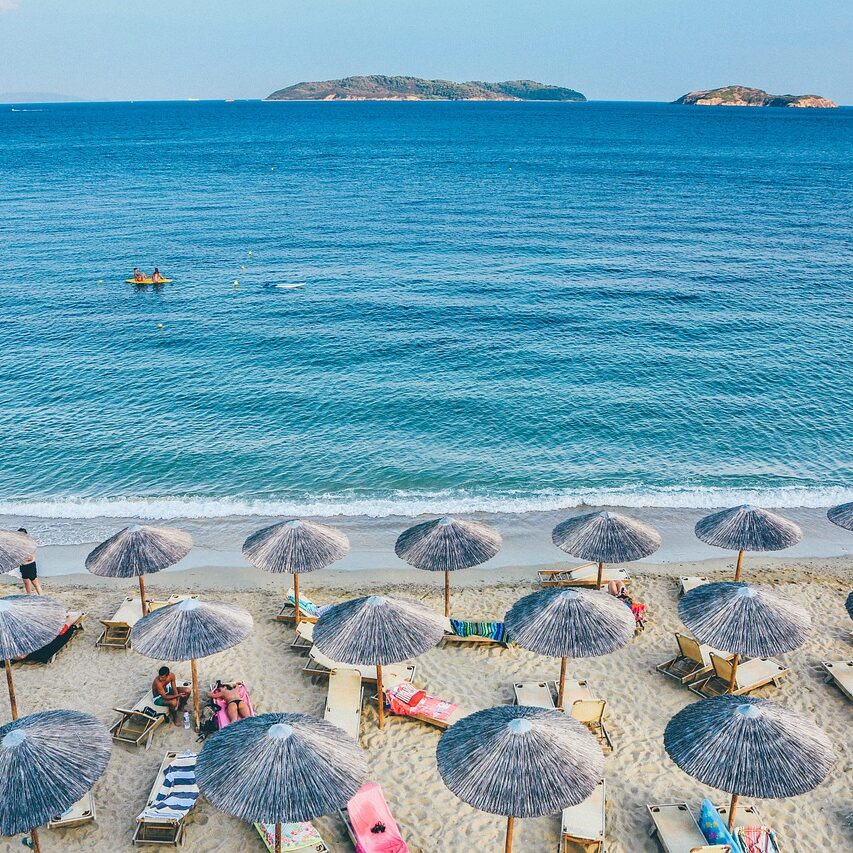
[[688, 582], [139, 723], [78, 814], [304, 639], [583, 824], [162, 819], [344, 699], [116, 633], [692, 661], [678, 832], [841, 673], [586, 575], [319, 665], [751, 674], [543, 694]]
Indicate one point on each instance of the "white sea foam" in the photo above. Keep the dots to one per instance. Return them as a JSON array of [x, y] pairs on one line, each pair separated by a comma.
[[411, 504]]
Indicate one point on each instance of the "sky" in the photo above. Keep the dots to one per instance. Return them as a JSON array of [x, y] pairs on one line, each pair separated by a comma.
[[652, 50]]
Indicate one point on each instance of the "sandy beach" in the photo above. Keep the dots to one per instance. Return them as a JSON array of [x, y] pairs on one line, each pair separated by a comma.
[[402, 757]]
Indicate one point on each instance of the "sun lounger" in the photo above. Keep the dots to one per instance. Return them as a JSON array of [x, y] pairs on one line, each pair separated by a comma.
[[478, 633], [678, 832], [308, 611], [405, 700], [304, 639], [751, 674], [320, 666], [543, 694], [221, 714], [295, 838], [172, 797], [344, 699], [692, 661], [174, 598], [747, 816], [590, 712], [586, 575], [367, 808], [688, 582], [141, 721], [80, 813], [840, 672], [116, 633], [583, 824], [47, 654]]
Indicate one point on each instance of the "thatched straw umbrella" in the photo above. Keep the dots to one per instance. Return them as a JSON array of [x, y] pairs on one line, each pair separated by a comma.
[[377, 630], [47, 762], [842, 515], [189, 630], [295, 547], [446, 545], [292, 767], [518, 761], [606, 537], [15, 548], [849, 605], [749, 747], [747, 528], [569, 623], [744, 620], [27, 622], [139, 550]]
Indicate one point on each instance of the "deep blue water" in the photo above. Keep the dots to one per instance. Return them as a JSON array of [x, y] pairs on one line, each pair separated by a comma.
[[505, 306]]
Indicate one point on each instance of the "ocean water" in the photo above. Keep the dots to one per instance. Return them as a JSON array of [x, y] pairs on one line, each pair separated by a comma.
[[498, 307]]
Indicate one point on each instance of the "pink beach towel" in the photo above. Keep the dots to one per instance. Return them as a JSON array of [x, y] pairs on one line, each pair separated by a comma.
[[221, 715], [368, 811]]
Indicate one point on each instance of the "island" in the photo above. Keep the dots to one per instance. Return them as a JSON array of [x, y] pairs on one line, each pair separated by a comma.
[[377, 87], [744, 96]]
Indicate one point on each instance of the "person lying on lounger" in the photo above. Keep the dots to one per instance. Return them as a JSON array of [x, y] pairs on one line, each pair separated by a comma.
[[235, 707], [167, 694]]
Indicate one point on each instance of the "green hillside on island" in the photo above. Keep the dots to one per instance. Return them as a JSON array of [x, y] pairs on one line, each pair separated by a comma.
[[378, 87], [744, 96]]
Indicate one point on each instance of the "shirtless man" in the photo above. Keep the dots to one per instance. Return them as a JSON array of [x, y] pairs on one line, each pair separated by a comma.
[[235, 707], [165, 688], [137, 275]]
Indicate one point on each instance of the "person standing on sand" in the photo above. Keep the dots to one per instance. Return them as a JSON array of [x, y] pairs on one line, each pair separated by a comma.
[[29, 572]]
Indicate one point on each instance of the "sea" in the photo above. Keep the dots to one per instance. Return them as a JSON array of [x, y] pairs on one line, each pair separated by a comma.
[[390, 309]]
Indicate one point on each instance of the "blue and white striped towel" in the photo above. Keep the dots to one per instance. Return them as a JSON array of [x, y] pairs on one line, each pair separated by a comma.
[[177, 794]]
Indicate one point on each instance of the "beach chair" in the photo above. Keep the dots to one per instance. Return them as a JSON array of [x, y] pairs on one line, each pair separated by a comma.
[[308, 611], [221, 714], [47, 654], [344, 699], [174, 598], [692, 661], [840, 672], [295, 837], [304, 639], [406, 700], [677, 831], [78, 814], [751, 674], [139, 723], [319, 666], [586, 575], [583, 824], [173, 795], [116, 633], [543, 694], [363, 812], [590, 712], [688, 582], [464, 631]]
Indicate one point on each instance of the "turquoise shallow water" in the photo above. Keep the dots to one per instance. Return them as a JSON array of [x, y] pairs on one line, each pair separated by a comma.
[[500, 307]]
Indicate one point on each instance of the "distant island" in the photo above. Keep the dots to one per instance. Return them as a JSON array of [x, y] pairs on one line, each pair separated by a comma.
[[377, 87], [744, 96]]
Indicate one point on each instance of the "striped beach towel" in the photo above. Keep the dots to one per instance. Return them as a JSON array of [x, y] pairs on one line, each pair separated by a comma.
[[491, 630], [757, 839], [177, 794]]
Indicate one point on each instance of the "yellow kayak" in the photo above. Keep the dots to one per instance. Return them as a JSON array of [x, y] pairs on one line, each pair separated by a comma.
[[147, 281]]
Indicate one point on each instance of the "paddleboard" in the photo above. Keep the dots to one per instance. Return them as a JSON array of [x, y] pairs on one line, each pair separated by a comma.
[[289, 285], [147, 281]]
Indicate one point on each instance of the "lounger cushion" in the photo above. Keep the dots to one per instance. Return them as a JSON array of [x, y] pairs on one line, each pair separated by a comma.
[[757, 839], [714, 827]]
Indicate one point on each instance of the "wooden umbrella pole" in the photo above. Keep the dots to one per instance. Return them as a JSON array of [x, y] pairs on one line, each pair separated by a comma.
[[297, 612], [510, 823], [739, 564], [34, 834], [732, 810], [380, 695], [600, 575], [195, 694], [733, 679], [13, 702], [447, 593], [278, 837], [561, 692], [142, 595]]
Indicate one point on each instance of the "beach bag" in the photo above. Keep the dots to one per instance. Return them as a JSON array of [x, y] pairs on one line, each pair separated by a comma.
[[207, 722]]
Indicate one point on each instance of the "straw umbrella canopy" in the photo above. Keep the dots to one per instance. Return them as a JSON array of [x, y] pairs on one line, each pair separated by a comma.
[[744, 620], [747, 528], [842, 515], [849, 605], [189, 630], [569, 623], [15, 548], [27, 623], [749, 747], [47, 762], [293, 767], [377, 630], [518, 761], [606, 537], [295, 547], [139, 550], [446, 545]]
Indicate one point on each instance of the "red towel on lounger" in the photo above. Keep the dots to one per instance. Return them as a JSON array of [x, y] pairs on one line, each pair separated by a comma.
[[367, 809]]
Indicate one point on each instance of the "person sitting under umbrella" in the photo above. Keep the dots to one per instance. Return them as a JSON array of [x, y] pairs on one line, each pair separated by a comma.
[[167, 694]]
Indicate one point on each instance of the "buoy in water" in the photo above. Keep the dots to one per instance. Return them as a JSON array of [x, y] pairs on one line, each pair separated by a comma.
[[160, 326], [236, 283]]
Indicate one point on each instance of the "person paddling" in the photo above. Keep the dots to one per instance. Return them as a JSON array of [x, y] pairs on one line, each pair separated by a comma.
[[156, 278], [137, 275]]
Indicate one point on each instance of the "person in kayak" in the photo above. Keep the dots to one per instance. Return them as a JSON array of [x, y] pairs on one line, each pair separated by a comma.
[[137, 275], [156, 277]]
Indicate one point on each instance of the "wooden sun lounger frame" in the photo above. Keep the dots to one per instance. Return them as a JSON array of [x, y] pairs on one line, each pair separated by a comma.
[[116, 633], [423, 718], [590, 845], [169, 833], [304, 639], [840, 673], [135, 725], [701, 845], [80, 813], [288, 614], [319, 847], [565, 577], [717, 684], [686, 667]]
